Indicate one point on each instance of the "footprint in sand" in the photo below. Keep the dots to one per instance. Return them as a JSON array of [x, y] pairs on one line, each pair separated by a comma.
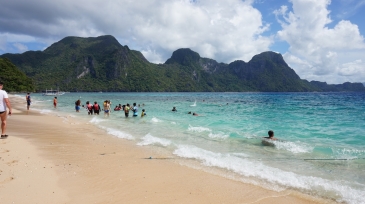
[[7, 180], [12, 162], [5, 151]]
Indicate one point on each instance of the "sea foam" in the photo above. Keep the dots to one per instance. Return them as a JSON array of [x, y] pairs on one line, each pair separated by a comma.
[[198, 129], [44, 111], [248, 168], [96, 120], [294, 147], [346, 153], [119, 134], [218, 135], [150, 140], [156, 120]]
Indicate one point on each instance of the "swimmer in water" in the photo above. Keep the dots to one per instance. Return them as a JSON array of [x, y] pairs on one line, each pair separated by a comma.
[[271, 135], [267, 140]]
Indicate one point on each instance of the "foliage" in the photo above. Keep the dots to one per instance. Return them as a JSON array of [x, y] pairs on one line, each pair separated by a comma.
[[102, 64], [14, 80]]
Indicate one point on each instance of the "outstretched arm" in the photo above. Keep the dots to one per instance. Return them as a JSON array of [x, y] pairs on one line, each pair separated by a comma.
[[7, 102]]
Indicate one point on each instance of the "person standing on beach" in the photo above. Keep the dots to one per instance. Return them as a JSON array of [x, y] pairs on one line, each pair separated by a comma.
[[55, 102], [29, 101], [4, 102]]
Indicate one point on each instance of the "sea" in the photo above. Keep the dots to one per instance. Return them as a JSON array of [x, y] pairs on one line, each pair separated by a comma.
[[320, 149]]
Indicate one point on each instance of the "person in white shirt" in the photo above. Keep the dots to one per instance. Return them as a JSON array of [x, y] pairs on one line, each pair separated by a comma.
[[4, 102]]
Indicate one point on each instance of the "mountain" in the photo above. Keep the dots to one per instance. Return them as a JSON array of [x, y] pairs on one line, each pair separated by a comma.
[[323, 86], [102, 64], [14, 80], [269, 72]]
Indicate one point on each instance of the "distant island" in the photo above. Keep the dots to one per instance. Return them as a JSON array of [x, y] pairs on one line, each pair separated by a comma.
[[102, 64]]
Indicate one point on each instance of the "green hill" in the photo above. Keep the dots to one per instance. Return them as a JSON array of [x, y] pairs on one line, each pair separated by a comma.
[[102, 64], [14, 80]]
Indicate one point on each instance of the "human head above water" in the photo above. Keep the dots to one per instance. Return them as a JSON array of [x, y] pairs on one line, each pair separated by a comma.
[[271, 133]]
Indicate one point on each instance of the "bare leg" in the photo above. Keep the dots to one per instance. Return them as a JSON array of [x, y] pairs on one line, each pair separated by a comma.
[[3, 123]]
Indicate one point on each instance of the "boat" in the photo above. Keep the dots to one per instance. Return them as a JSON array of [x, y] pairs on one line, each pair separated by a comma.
[[53, 93]]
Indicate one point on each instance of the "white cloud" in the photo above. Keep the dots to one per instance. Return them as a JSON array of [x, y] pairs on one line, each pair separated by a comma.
[[223, 30], [152, 55], [317, 51], [16, 42], [356, 67], [320, 49]]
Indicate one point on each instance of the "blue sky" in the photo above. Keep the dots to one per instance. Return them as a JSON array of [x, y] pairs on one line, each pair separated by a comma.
[[321, 40]]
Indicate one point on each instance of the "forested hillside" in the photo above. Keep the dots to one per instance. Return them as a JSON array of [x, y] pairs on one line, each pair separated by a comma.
[[14, 80], [102, 64]]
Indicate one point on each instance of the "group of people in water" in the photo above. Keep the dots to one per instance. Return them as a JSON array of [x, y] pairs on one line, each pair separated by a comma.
[[175, 110], [94, 109]]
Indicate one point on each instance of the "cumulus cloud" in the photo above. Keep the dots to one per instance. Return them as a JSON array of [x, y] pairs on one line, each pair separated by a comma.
[[11, 42], [223, 30], [316, 50], [319, 49]]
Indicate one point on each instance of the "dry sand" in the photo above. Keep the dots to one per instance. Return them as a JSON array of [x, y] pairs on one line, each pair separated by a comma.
[[50, 159]]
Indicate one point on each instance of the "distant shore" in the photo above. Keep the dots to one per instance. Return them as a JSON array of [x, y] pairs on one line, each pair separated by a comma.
[[50, 159]]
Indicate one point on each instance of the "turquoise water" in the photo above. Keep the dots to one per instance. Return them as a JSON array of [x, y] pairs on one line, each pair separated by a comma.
[[322, 135]]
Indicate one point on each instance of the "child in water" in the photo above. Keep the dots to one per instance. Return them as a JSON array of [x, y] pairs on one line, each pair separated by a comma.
[[143, 113]]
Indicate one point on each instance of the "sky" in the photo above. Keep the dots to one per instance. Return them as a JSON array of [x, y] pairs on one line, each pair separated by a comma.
[[321, 40]]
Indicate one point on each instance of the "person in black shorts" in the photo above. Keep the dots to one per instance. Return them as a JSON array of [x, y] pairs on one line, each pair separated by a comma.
[[96, 108], [126, 110], [29, 101], [89, 108]]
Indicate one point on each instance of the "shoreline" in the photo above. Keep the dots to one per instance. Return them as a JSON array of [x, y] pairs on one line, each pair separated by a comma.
[[83, 164]]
